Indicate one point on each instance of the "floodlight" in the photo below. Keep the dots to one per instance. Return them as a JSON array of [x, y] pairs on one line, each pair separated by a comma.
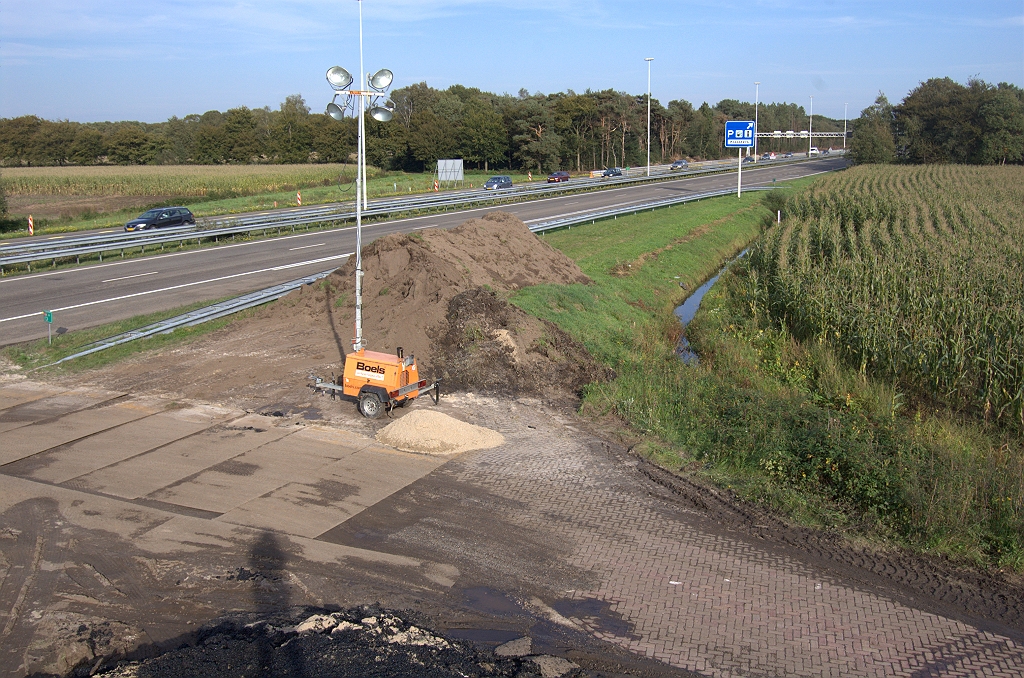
[[381, 80], [335, 111], [381, 114], [339, 78]]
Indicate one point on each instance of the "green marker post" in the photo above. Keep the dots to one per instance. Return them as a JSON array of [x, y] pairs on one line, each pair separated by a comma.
[[48, 316]]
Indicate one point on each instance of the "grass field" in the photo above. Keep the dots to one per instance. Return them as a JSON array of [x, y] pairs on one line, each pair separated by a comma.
[[81, 198], [783, 420]]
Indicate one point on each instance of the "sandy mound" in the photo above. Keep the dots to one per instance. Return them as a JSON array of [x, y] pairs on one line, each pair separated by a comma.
[[431, 432], [436, 293], [409, 279]]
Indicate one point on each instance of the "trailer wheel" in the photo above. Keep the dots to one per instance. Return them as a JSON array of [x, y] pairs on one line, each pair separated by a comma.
[[370, 405]]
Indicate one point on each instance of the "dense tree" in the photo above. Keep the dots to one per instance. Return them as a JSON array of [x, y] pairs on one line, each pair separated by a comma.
[[873, 134], [527, 131], [130, 145]]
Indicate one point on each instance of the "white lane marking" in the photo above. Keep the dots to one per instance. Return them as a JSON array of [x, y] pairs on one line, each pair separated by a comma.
[[491, 208], [34, 276], [178, 287], [306, 247], [137, 275]]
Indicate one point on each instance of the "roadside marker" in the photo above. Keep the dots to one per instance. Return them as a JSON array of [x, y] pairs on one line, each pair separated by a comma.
[[48, 317], [437, 185], [31, 229], [298, 197]]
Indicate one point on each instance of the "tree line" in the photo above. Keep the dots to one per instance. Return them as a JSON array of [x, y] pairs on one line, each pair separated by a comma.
[[942, 121], [525, 131]]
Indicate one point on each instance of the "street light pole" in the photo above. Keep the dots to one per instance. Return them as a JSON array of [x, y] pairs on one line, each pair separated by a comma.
[[649, 60], [810, 129], [845, 106], [757, 92]]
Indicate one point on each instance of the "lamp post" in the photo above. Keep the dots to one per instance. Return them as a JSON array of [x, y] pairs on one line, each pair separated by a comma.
[[340, 80], [649, 60], [810, 129], [757, 88], [845, 107]]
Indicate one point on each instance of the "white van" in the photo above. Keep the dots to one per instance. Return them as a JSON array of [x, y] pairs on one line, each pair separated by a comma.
[[813, 152]]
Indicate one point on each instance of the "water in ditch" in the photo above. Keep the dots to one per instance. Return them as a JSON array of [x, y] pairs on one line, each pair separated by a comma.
[[688, 309]]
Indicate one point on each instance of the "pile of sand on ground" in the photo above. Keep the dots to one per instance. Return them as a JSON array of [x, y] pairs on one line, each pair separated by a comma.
[[436, 293], [409, 279], [431, 432]]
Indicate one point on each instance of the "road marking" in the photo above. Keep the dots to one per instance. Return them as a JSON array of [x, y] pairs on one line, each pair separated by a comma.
[[33, 276], [191, 284], [306, 247], [137, 275]]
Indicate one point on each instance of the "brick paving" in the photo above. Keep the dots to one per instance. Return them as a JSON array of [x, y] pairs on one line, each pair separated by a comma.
[[706, 602]]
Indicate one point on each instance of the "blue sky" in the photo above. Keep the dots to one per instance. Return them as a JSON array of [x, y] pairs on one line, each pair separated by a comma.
[[91, 60]]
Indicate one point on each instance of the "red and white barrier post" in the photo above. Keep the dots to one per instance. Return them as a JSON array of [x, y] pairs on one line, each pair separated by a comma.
[[31, 226]]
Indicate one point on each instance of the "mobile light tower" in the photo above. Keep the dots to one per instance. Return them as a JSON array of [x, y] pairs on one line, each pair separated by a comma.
[[379, 381], [649, 60], [360, 99], [757, 92]]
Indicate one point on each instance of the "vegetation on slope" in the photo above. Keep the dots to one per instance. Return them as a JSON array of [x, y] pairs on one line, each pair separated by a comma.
[[784, 418]]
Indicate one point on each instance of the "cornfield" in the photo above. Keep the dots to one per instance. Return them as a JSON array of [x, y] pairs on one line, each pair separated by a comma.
[[914, 274], [190, 181]]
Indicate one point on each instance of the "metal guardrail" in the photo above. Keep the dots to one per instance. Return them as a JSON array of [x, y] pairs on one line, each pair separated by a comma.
[[253, 299], [199, 316], [592, 216], [290, 219]]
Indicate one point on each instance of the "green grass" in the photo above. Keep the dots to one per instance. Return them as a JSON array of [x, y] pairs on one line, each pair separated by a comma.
[[241, 198], [781, 422], [37, 355]]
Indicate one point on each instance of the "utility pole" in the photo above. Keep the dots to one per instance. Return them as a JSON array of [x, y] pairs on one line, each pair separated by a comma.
[[649, 60], [757, 87], [810, 129], [845, 106]]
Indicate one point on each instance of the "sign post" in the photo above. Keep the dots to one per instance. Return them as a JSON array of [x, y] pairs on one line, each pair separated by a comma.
[[739, 134], [48, 316]]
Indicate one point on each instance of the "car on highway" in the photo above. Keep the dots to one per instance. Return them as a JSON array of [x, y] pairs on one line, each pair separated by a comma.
[[679, 165], [557, 177], [826, 151], [748, 158], [787, 154], [768, 156], [812, 152], [612, 172], [496, 182], [161, 217]]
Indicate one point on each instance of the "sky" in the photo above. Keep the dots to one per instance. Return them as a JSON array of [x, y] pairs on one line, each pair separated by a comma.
[[148, 60]]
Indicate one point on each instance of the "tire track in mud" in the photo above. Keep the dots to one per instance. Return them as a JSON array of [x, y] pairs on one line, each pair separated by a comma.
[[988, 601]]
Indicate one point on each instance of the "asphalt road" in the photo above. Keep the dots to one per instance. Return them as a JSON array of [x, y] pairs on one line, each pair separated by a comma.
[[95, 294]]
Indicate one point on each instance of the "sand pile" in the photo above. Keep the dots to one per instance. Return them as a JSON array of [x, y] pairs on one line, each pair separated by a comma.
[[409, 279], [436, 293], [431, 432]]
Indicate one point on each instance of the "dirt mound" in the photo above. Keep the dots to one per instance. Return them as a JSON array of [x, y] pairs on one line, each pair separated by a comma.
[[486, 344], [409, 279], [429, 432], [410, 287]]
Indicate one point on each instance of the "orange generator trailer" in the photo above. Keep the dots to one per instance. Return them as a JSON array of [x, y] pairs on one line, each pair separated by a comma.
[[379, 382]]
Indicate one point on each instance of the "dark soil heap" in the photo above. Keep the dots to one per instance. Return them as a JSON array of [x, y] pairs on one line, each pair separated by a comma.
[[437, 294]]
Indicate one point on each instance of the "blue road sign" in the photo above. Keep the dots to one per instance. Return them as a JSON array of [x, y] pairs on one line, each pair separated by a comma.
[[739, 133]]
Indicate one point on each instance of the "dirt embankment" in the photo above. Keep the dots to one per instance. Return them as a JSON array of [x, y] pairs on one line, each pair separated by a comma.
[[436, 293]]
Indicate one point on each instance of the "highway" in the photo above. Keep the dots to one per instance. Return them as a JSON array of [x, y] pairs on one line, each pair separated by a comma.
[[91, 295]]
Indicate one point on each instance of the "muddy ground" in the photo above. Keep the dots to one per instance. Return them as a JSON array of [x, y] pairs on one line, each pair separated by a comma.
[[439, 295], [72, 206]]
